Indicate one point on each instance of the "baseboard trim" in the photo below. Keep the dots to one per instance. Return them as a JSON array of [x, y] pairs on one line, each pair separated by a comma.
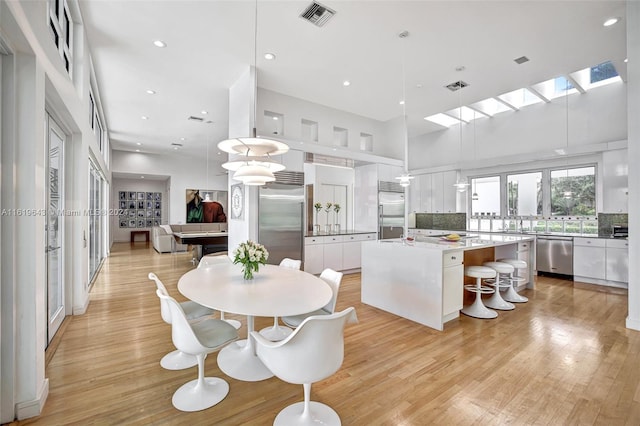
[[633, 324], [33, 408]]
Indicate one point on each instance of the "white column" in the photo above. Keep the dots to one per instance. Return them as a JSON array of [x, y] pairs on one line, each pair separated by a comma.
[[30, 304], [241, 116], [633, 137]]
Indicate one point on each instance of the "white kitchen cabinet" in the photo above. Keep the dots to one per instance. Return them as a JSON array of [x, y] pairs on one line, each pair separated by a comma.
[[351, 250], [449, 191], [338, 252], [437, 186], [589, 255], [452, 283], [426, 193], [333, 252], [524, 250], [617, 264], [313, 254]]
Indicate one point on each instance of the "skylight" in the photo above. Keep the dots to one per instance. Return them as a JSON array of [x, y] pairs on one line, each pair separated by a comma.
[[599, 75], [520, 98], [466, 115], [490, 106], [555, 87], [442, 119]]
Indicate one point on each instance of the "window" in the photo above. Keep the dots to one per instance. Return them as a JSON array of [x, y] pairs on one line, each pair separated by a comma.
[[61, 27], [486, 196], [573, 192], [599, 75], [96, 123], [524, 194]]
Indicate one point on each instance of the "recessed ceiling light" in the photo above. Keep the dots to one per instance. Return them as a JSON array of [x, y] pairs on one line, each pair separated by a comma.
[[175, 148], [203, 112], [137, 150], [141, 177], [181, 139], [269, 56], [346, 83], [138, 143], [144, 117], [275, 117], [159, 43], [626, 60], [151, 92], [401, 102], [610, 22]]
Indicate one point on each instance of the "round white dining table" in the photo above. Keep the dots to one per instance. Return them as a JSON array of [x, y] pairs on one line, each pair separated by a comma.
[[274, 291]]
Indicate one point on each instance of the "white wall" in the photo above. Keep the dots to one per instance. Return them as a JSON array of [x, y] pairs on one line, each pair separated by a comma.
[[294, 110], [185, 172], [34, 80], [633, 71], [137, 185], [596, 117]]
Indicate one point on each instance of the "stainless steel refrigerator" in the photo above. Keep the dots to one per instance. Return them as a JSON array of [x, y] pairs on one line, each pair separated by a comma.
[[391, 214], [281, 220]]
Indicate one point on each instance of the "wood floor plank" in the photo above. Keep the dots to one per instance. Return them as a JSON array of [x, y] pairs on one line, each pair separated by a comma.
[[563, 358]]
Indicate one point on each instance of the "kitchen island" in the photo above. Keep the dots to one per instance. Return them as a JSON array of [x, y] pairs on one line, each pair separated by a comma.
[[424, 280]]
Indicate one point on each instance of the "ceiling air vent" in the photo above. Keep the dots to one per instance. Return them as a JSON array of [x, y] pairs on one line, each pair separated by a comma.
[[176, 144], [317, 14], [194, 118], [456, 85], [521, 60]]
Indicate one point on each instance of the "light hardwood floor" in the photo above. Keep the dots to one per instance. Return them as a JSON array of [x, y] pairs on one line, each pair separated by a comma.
[[563, 358]]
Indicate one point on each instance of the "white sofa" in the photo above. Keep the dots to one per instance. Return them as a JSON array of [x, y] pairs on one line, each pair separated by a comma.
[[163, 240]]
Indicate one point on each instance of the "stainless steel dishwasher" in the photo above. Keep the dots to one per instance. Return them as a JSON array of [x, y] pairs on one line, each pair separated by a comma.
[[554, 254]]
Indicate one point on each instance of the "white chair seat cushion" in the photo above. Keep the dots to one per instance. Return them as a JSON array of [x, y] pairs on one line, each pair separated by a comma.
[[296, 320], [213, 333], [516, 263], [479, 272], [500, 267], [194, 310]]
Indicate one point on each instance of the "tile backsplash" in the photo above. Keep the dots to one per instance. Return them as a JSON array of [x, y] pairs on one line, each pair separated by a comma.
[[607, 220], [445, 221]]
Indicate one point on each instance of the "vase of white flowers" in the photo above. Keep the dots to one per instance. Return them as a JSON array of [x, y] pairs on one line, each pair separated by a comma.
[[250, 255], [336, 225], [327, 226], [316, 227]]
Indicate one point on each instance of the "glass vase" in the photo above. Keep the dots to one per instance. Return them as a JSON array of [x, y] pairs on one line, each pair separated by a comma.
[[336, 228], [327, 228], [247, 271]]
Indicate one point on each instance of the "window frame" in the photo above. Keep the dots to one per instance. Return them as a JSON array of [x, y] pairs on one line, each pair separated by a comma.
[[61, 28], [546, 188]]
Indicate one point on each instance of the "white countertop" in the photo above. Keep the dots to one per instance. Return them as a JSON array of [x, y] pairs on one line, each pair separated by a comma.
[[468, 242]]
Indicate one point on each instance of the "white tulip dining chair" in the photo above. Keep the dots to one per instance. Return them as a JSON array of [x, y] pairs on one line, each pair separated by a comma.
[[313, 352], [278, 332], [331, 277], [214, 259], [198, 340], [178, 360]]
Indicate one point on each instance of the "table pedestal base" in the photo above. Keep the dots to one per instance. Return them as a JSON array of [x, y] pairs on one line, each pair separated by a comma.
[[239, 359]]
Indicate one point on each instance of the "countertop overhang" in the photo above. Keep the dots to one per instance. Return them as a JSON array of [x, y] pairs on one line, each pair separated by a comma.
[[468, 242]]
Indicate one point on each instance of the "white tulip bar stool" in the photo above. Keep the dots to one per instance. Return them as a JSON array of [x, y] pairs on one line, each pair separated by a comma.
[[511, 295], [477, 309], [503, 271]]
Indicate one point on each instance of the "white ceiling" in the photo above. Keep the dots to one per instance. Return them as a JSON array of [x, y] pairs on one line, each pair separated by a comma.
[[210, 43]]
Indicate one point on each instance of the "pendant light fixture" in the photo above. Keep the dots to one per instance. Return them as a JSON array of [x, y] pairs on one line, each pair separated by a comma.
[[255, 165], [405, 178], [461, 184], [474, 196]]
